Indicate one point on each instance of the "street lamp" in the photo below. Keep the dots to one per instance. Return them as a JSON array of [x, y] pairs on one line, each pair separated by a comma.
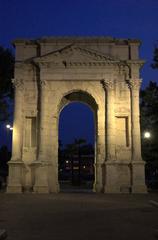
[[147, 135], [8, 126]]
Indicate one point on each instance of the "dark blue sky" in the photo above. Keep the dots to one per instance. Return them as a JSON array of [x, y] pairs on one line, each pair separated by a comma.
[[117, 18]]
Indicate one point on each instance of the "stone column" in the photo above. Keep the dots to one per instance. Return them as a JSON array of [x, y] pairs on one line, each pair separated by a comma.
[[111, 168], [138, 175], [108, 86], [53, 149], [110, 130], [100, 149], [16, 164], [42, 164]]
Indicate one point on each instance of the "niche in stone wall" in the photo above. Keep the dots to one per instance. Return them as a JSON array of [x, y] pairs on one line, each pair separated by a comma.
[[30, 135], [122, 131]]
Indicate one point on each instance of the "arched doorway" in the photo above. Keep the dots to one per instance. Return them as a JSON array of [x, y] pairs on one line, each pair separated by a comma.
[[77, 142]]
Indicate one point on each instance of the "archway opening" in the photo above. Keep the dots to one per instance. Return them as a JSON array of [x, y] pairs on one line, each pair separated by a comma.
[[77, 140]]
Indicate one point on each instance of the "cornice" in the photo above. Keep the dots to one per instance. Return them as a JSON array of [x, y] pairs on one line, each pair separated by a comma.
[[76, 39], [69, 65], [140, 63]]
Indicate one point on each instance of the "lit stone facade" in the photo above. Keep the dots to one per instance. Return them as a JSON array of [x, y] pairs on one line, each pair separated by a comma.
[[101, 72]]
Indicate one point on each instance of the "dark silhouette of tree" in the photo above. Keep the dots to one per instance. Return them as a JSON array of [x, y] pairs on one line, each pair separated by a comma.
[[6, 75], [5, 156], [149, 122]]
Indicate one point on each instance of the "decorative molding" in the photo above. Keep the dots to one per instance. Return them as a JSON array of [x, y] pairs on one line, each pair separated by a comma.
[[107, 84], [77, 39], [30, 112], [74, 56], [43, 84], [121, 110], [138, 63], [18, 83], [134, 83]]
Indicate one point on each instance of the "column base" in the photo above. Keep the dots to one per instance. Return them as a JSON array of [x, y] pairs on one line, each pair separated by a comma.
[[41, 177], [45, 178], [15, 177], [14, 189], [97, 188], [139, 189], [40, 189], [55, 189], [117, 177], [138, 177]]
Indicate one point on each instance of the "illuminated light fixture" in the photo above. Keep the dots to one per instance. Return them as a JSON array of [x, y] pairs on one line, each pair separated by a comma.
[[67, 161], [11, 128], [84, 167], [147, 135], [8, 126]]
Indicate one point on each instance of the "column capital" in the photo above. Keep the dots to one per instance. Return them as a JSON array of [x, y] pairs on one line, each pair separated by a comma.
[[18, 83], [43, 84], [134, 83], [107, 84]]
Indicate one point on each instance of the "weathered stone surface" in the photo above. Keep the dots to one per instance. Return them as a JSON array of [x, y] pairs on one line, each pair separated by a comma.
[[101, 72]]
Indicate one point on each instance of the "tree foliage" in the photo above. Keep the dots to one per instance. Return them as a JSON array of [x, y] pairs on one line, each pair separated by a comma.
[[149, 121], [6, 71], [6, 74]]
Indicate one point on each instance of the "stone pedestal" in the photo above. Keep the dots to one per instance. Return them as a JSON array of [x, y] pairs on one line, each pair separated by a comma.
[[53, 178], [15, 177], [98, 184], [118, 177], [45, 178], [138, 177], [41, 177]]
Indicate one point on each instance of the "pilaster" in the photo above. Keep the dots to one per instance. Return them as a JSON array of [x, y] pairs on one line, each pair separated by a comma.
[[111, 184], [16, 164], [100, 148], [41, 165], [138, 173]]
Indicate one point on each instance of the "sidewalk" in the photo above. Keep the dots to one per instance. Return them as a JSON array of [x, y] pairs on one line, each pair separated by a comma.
[[79, 216]]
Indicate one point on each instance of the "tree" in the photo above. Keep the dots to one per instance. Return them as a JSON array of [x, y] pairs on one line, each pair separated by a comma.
[[149, 122], [6, 74]]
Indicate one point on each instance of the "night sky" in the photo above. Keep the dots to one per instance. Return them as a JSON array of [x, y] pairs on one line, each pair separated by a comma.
[[116, 18]]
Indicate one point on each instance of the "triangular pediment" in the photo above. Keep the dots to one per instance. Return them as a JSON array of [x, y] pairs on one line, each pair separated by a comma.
[[74, 54]]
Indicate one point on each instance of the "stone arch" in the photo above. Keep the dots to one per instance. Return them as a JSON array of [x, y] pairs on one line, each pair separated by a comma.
[[78, 95], [63, 69]]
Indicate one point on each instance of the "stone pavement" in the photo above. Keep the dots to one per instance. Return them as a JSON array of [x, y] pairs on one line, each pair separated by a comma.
[[76, 216]]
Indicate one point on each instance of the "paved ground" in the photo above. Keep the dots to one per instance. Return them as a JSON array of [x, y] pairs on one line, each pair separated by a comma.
[[77, 216]]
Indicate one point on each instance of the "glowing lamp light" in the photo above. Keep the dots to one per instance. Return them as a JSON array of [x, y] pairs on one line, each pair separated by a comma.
[[8, 126], [147, 135]]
